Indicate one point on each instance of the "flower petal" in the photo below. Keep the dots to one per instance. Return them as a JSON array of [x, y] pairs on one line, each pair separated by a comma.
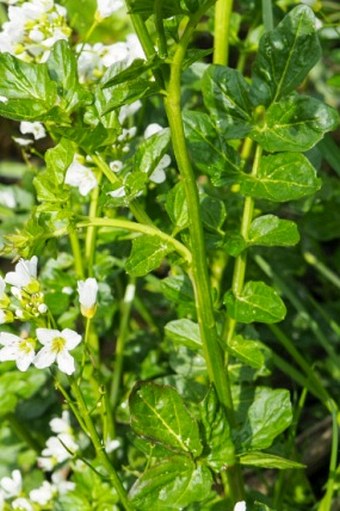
[[46, 335], [71, 337], [65, 362], [44, 358]]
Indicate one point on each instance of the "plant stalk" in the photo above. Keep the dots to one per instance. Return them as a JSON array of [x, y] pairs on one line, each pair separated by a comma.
[[223, 10]]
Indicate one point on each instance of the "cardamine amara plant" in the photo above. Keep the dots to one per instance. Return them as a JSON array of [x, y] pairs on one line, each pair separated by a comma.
[[168, 298]]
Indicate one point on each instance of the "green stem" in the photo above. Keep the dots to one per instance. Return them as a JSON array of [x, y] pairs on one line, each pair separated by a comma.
[[162, 50], [326, 272], [90, 241], [99, 447], [77, 256], [223, 10], [144, 229], [267, 15], [326, 503], [218, 374], [120, 346]]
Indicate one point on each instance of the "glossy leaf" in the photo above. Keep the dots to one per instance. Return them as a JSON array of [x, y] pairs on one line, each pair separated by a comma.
[[159, 414], [184, 332], [271, 231], [176, 206], [286, 55], [213, 212], [147, 254], [126, 93], [31, 93], [296, 123], [257, 302], [281, 177], [62, 68], [174, 483], [262, 414], [151, 150], [211, 154], [266, 460], [226, 95], [251, 352], [147, 7], [217, 433], [234, 243]]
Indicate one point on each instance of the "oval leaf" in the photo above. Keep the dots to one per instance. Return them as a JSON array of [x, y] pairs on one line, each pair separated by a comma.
[[147, 254], [184, 332], [281, 177], [271, 231], [158, 413], [257, 302], [266, 460]]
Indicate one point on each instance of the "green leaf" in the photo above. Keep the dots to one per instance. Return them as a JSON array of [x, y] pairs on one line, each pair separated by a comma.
[[184, 332], [234, 243], [151, 150], [147, 254], [49, 183], [15, 385], [296, 123], [285, 56], [176, 206], [128, 92], [88, 137], [257, 302], [30, 91], [211, 154], [281, 177], [213, 212], [217, 434], [271, 231], [62, 68], [119, 72], [174, 483], [158, 413], [261, 414], [266, 460], [147, 7], [250, 352], [226, 95]]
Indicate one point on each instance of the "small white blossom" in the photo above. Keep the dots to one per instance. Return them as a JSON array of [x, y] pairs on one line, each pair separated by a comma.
[[7, 198], [3, 99], [158, 175], [88, 290], [107, 7], [25, 273], [240, 506], [11, 486], [22, 504], [42, 308], [43, 494], [80, 176], [56, 349], [111, 445], [67, 290], [58, 449], [151, 129], [118, 193], [127, 111], [33, 128], [61, 485], [116, 166], [61, 424], [24, 142], [2, 288], [19, 349]]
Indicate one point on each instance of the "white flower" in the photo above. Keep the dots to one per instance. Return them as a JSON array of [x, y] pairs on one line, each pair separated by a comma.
[[33, 128], [240, 506], [56, 349], [7, 198], [11, 486], [151, 129], [116, 166], [61, 485], [43, 494], [23, 141], [67, 290], [58, 449], [111, 445], [87, 290], [129, 110], [25, 273], [80, 177], [61, 425], [3, 99], [18, 349], [107, 7], [118, 193], [22, 504], [158, 175]]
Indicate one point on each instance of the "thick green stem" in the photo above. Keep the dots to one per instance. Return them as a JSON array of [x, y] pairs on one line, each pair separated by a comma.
[[218, 374], [144, 229], [77, 256], [267, 15], [90, 241], [223, 12], [326, 503], [99, 447]]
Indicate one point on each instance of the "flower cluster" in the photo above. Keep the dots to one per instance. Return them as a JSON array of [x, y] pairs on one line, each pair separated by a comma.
[[58, 449], [33, 28]]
